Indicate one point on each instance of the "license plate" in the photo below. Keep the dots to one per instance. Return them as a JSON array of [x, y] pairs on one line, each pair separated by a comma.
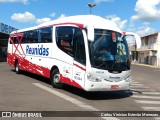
[[114, 87]]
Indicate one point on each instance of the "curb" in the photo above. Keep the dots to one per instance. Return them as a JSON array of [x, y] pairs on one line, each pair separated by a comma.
[[145, 65]]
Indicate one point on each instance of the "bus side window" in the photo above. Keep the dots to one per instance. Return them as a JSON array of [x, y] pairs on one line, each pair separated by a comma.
[[24, 38], [46, 35], [31, 36], [28, 41], [65, 43], [64, 39], [15, 40], [11, 40], [34, 41], [46, 41]]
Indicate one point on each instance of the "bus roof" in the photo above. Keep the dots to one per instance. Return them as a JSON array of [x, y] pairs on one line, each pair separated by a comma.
[[80, 21]]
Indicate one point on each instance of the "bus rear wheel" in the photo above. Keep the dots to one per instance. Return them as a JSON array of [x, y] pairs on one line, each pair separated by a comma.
[[17, 67], [55, 79]]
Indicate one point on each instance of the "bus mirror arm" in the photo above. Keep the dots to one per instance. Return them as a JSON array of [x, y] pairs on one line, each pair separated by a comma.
[[133, 39]]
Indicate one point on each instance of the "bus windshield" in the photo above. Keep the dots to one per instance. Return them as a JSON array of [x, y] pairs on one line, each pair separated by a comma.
[[109, 51]]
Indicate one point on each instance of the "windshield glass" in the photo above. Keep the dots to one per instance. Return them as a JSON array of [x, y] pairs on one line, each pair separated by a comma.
[[109, 51]]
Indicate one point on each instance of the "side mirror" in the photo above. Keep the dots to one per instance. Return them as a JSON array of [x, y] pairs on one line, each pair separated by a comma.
[[132, 39], [90, 32]]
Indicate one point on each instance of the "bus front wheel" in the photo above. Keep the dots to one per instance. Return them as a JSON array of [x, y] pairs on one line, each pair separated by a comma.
[[17, 67], [55, 79]]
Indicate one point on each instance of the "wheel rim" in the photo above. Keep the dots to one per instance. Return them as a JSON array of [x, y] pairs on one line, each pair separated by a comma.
[[56, 79]]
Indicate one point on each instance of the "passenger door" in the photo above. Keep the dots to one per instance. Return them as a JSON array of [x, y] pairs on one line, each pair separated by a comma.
[[64, 41], [70, 40], [79, 63]]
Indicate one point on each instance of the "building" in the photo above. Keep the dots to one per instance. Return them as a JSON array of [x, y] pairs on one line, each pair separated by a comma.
[[5, 30], [149, 53]]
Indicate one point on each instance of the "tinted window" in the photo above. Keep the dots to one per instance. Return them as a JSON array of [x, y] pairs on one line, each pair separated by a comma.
[[70, 40], [45, 35], [30, 36], [14, 40], [64, 39], [79, 47], [24, 40]]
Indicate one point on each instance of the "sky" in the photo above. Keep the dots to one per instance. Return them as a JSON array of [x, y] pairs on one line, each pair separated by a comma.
[[139, 16]]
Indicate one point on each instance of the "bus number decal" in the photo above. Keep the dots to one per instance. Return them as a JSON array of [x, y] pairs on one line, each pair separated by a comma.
[[77, 78]]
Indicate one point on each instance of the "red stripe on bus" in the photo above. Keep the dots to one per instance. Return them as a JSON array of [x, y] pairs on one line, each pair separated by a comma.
[[68, 81], [19, 38], [37, 69], [76, 24], [81, 26], [84, 69], [28, 66]]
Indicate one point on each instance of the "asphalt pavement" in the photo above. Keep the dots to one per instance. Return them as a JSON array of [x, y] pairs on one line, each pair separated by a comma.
[[30, 92]]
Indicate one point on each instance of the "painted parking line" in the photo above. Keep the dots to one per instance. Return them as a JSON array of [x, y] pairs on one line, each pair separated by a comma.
[[147, 102], [140, 87], [72, 100], [137, 84], [151, 93], [157, 118], [151, 108], [145, 97], [142, 90], [133, 81]]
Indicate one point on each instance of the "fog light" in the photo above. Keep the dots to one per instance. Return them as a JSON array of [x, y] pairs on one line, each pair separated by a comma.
[[93, 78]]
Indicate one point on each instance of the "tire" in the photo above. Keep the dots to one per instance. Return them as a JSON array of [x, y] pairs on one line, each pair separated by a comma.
[[17, 70], [55, 79]]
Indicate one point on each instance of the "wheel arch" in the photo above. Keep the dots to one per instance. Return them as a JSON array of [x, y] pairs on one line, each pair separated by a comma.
[[54, 83], [53, 68]]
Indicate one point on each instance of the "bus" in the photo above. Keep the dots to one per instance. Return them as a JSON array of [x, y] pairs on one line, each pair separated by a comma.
[[84, 51]]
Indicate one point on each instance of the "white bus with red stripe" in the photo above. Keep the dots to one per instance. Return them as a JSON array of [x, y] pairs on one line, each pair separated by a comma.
[[85, 51]]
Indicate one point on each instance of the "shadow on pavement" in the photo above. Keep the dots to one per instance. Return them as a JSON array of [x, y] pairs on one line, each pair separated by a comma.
[[102, 95]]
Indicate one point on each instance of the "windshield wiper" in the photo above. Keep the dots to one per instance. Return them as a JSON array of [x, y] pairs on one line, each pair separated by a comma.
[[116, 65], [103, 63], [128, 67]]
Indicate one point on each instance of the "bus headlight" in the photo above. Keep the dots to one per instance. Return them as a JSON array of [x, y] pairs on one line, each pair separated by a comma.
[[93, 78]]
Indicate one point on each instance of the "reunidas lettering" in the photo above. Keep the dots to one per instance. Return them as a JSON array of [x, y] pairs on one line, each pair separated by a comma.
[[40, 50]]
